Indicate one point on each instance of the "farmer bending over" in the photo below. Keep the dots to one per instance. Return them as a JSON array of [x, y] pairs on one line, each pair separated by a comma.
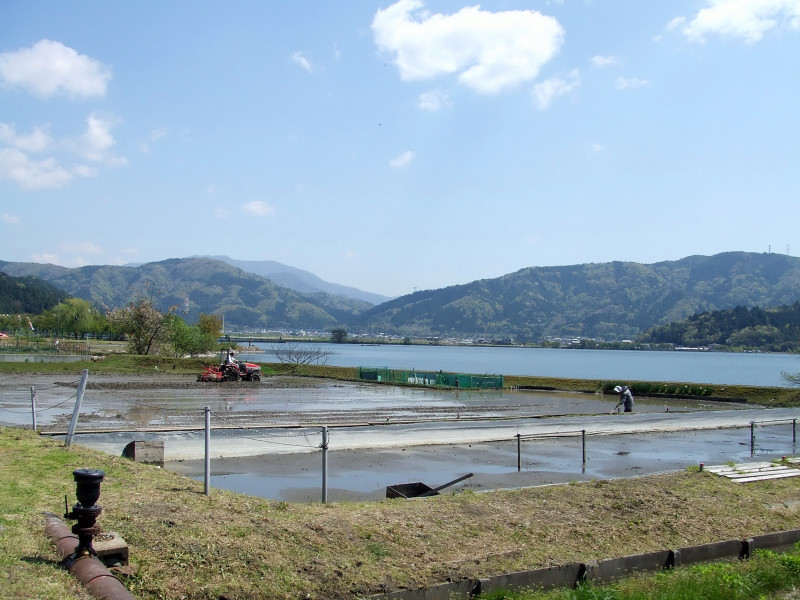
[[625, 398]]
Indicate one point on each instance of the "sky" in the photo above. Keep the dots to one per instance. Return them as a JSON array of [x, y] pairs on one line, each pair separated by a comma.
[[398, 146]]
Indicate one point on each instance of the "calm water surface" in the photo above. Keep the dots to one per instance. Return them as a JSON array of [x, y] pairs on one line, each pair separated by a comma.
[[718, 368]]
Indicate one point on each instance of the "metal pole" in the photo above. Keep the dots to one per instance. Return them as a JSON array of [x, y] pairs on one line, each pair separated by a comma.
[[794, 431], [583, 443], [207, 485], [752, 437], [519, 453], [74, 422], [324, 447], [33, 406]]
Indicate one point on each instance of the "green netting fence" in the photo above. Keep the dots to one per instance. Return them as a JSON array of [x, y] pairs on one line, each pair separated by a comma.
[[431, 378]]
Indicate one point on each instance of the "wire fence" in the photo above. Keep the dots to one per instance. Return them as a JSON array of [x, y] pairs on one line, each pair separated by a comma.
[[310, 438], [37, 345]]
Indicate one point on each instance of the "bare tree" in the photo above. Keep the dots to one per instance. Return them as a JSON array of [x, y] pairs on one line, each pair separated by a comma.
[[146, 327], [291, 353], [791, 379]]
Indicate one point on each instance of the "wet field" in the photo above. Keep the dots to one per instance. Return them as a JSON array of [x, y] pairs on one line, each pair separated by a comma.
[[114, 402], [266, 436]]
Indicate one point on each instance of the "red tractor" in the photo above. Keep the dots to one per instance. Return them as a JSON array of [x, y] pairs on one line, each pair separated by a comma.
[[230, 369]]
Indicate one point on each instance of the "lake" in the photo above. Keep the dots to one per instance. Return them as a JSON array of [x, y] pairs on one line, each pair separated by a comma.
[[718, 368]]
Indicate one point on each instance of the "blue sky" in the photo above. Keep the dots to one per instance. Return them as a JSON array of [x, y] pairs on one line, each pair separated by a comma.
[[398, 146]]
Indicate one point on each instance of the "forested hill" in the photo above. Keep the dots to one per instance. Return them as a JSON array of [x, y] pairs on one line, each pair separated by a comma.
[[773, 329], [27, 295], [611, 301], [198, 285]]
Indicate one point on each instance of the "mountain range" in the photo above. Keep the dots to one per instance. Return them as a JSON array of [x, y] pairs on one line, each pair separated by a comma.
[[300, 280], [611, 301]]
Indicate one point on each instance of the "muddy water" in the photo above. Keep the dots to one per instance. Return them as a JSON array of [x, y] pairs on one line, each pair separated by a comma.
[[114, 402], [267, 436], [364, 474]]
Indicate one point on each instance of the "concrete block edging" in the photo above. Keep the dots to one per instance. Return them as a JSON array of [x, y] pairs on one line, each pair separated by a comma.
[[570, 575]]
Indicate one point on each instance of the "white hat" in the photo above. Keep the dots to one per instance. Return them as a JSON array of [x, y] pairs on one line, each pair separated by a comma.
[[618, 389]]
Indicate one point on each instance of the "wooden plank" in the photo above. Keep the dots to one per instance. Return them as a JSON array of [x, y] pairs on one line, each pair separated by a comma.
[[754, 473], [739, 466], [764, 477], [745, 470], [749, 472]]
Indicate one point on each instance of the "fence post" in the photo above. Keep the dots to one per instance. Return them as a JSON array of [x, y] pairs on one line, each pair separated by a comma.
[[33, 406], [207, 485], [752, 437], [324, 447], [74, 422], [794, 431], [519, 453], [583, 444]]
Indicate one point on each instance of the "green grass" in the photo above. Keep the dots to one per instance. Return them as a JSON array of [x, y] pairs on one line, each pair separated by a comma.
[[187, 545], [765, 575]]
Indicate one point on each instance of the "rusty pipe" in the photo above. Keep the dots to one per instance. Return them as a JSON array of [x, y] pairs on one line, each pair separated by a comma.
[[87, 569]]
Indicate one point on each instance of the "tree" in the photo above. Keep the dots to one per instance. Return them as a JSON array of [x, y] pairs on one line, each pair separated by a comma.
[[296, 354], [147, 328], [339, 335], [72, 318], [189, 339], [210, 325], [792, 379]]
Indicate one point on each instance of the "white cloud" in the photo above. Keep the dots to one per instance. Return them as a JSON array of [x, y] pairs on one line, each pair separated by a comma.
[[37, 140], [745, 19], [84, 171], [601, 62], [75, 250], [259, 208], [49, 67], [403, 160], [46, 258], [630, 83], [32, 174], [96, 142], [9, 219], [433, 100], [155, 136], [490, 52], [18, 164], [544, 93], [299, 58], [76, 261]]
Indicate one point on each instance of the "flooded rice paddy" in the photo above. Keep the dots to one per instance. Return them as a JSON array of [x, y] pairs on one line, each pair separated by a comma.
[[266, 436]]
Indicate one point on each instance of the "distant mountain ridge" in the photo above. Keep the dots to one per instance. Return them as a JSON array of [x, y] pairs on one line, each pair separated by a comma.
[[198, 285], [611, 301], [299, 280]]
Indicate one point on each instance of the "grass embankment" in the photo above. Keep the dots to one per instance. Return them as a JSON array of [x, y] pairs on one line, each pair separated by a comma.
[[186, 545]]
